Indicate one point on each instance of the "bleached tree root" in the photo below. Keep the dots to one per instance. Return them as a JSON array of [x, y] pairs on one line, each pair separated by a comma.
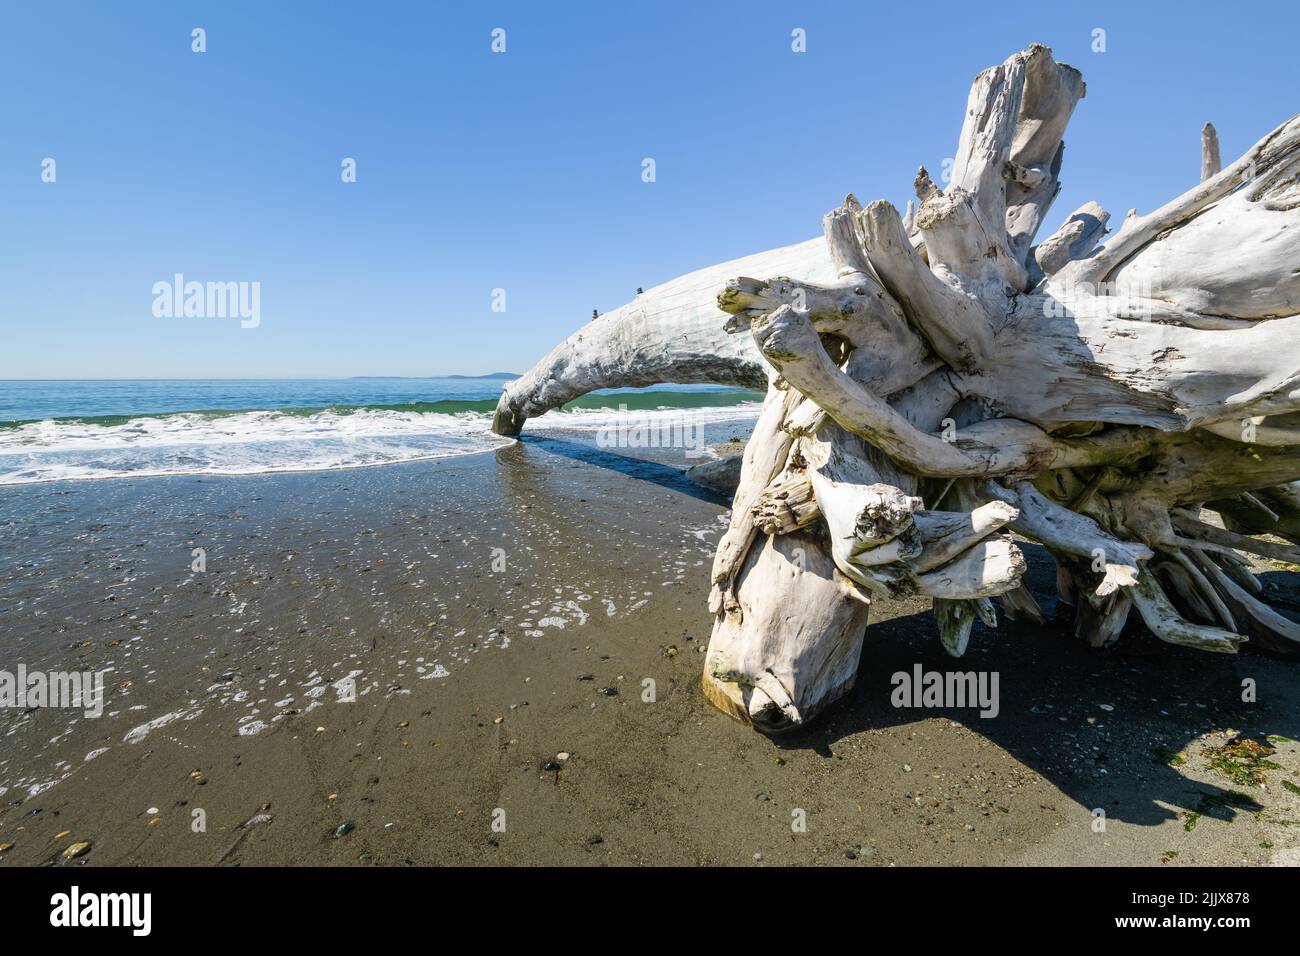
[[939, 380], [1006, 381]]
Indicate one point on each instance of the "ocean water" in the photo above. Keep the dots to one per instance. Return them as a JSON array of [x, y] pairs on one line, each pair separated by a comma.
[[81, 430]]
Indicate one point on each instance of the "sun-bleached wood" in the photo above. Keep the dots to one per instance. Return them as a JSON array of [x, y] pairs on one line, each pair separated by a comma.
[[1210, 161], [937, 380]]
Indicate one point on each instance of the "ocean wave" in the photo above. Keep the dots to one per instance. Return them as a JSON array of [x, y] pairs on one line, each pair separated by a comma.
[[260, 442]]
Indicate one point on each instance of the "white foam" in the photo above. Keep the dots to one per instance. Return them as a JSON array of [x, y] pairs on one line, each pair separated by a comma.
[[259, 442], [239, 444]]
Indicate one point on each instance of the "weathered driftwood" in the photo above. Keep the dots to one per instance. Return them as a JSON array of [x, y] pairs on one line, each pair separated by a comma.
[[939, 379], [670, 333]]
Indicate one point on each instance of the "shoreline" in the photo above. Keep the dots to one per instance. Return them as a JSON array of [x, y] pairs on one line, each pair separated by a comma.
[[388, 572]]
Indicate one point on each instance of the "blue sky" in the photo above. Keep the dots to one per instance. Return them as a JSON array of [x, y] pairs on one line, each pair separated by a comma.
[[520, 170]]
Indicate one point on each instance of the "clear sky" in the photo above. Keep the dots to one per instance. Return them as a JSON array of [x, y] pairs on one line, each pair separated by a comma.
[[521, 170]]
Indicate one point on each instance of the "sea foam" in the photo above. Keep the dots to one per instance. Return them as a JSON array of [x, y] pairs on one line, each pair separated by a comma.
[[260, 442]]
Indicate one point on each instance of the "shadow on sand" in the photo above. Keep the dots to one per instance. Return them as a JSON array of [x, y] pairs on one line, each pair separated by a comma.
[[1051, 691]]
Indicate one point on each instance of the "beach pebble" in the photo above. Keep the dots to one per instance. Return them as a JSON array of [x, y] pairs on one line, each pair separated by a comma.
[[151, 811], [6, 847], [609, 691], [551, 766], [60, 836], [1106, 707], [344, 829], [76, 850], [257, 819], [758, 858], [595, 839], [562, 755]]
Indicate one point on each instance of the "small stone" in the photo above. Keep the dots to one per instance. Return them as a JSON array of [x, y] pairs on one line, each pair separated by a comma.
[[257, 819], [586, 677], [907, 768], [155, 821], [1106, 707], [551, 766], [563, 755], [405, 723], [594, 840], [497, 720], [969, 827], [609, 691], [344, 829], [76, 850], [6, 847], [763, 798], [151, 811], [851, 854], [758, 858], [60, 836]]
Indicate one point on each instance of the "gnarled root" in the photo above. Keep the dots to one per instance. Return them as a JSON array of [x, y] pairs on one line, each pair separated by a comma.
[[959, 382]]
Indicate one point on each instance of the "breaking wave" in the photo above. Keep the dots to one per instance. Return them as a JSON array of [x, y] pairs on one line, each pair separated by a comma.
[[289, 440]]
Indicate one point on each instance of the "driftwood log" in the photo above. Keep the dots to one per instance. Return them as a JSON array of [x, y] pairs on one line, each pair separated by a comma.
[[938, 380]]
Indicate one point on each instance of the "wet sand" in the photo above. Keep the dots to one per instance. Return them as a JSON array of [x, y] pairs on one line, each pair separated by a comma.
[[475, 668]]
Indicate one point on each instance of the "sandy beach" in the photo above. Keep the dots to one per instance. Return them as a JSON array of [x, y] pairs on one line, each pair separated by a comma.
[[523, 630]]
